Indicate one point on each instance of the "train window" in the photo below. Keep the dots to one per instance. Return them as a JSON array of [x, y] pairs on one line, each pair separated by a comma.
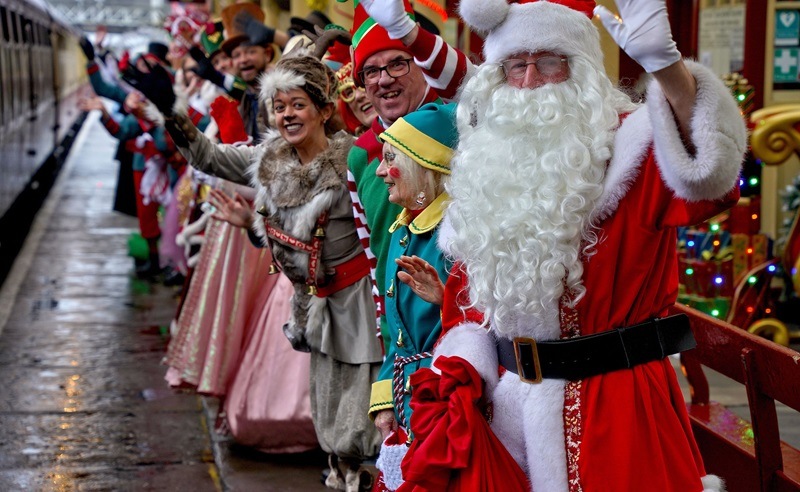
[[4, 16], [25, 25], [14, 28]]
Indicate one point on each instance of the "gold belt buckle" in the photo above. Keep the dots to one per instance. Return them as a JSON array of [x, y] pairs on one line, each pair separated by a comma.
[[527, 356]]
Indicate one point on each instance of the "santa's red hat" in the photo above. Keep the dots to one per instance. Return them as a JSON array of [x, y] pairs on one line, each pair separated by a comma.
[[561, 26]]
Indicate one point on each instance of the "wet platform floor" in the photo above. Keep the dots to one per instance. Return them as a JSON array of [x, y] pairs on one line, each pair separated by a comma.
[[83, 402]]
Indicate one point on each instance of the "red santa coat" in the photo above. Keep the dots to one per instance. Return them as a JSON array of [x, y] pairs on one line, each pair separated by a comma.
[[624, 430]]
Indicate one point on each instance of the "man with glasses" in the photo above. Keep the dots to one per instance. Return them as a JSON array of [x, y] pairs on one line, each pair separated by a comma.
[[565, 200], [401, 69]]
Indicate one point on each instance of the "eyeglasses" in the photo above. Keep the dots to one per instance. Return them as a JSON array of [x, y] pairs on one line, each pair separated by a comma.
[[389, 158], [547, 66], [395, 69], [347, 91]]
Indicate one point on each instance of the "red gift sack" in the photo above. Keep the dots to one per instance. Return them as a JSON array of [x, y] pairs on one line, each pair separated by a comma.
[[454, 449]]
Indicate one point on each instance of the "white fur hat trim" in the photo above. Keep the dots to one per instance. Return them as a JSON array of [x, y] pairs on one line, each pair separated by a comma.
[[279, 80], [532, 27]]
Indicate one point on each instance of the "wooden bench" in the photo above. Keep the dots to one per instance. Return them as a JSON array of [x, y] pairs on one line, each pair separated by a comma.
[[750, 456]]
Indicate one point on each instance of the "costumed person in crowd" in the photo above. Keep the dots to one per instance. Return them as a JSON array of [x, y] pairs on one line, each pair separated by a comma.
[[299, 172], [401, 69], [103, 68], [228, 290], [132, 130], [416, 159], [252, 47], [357, 111], [199, 95], [565, 201], [215, 65], [131, 125]]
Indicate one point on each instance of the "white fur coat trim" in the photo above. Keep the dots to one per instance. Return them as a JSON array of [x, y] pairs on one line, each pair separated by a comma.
[[718, 133], [537, 442], [471, 342], [631, 145], [713, 483], [446, 234]]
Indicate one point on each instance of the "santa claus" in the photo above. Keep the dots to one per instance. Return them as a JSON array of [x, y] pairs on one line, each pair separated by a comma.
[[565, 201]]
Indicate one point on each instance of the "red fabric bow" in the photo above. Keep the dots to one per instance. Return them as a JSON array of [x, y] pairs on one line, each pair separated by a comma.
[[225, 112], [454, 449]]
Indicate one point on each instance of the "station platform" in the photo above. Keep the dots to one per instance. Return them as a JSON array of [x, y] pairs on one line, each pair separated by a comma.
[[84, 403]]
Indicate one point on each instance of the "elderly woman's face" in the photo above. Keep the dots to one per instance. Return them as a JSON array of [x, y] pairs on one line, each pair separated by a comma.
[[401, 190]]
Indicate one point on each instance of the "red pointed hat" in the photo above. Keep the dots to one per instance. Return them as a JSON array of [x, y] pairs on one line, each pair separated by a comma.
[[370, 38], [561, 26]]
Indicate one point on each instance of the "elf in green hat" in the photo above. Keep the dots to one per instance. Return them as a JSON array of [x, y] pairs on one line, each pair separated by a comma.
[[417, 150], [413, 68]]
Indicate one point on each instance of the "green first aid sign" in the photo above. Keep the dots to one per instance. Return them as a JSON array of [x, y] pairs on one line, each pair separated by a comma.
[[786, 65]]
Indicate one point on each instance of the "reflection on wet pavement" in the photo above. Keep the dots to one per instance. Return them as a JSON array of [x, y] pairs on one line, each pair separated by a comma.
[[84, 405]]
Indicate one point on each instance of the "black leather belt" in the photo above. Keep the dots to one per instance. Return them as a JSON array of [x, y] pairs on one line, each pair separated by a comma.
[[589, 355]]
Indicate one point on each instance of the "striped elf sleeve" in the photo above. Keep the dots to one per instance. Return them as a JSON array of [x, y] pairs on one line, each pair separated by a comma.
[[363, 235], [444, 67]]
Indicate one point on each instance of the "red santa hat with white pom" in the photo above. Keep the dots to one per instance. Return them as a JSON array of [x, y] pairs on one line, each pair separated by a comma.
[[560, 26]]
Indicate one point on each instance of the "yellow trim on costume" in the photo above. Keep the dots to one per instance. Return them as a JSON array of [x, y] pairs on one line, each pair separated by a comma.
[[427, 151], [425, 221], [381, 397]]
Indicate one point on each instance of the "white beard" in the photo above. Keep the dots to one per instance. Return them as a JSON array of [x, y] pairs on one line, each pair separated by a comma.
[[525, 179]]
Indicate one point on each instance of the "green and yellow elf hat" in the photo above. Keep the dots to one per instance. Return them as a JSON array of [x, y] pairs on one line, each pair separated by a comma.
[[211, 38], [427, 135]]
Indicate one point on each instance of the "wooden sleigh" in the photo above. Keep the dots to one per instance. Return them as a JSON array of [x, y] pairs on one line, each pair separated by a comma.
[[750, 456]]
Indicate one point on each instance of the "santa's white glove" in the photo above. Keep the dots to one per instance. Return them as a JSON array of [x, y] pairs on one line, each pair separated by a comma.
[[643, 32], [390, 15]]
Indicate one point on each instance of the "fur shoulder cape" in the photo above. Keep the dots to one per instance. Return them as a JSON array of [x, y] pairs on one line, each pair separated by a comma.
[[283, 182]]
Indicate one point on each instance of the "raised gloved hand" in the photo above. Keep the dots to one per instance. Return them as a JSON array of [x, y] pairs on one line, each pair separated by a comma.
[[205, 69], [258, 33], [225, 112], [156, 85], [87, 48], [643, 32], [391, 15], [325, 38]]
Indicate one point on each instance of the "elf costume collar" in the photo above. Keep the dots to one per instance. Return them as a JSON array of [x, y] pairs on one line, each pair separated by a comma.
[[425, 221]]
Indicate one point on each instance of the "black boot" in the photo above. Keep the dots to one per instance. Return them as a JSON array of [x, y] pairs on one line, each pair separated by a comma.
[[149, 269]]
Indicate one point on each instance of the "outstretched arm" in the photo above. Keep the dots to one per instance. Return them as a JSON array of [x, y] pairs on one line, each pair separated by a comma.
[[642, 30], [445, 68]]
